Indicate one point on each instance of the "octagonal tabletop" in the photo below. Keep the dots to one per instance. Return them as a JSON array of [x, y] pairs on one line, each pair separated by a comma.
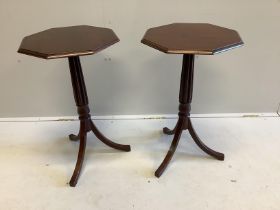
[[68, 41], [192, 38]]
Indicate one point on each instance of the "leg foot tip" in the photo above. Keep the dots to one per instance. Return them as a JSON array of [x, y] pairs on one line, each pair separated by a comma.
[[73, 137], [221, 157], [157, 174], [127, 148], [73, 183], [167, 131]]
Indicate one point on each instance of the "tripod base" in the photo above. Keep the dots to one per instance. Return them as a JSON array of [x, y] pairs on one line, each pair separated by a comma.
[[184, 123], [86, 125]]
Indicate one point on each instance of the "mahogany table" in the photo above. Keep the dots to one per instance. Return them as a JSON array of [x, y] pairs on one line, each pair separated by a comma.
[[72, 42], [189, 39]]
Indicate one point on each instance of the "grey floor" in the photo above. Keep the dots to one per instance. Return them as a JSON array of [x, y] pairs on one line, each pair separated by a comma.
[[37, 160]]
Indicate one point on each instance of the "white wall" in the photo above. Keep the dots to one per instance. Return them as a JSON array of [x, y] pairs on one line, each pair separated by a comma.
[[131, 78]]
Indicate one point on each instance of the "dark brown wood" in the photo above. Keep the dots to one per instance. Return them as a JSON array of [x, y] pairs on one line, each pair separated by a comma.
[[68, 41], [184, 121], [189, 39], [73, 42], [86, 124], [192, 38]]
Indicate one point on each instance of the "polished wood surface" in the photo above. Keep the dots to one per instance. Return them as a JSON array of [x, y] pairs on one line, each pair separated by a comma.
[[192, 38], [68, 41]]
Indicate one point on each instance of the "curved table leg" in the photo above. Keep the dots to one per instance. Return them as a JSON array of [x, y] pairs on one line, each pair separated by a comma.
[[213, 153], [79, 163], [171, 151], [108, 142]]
